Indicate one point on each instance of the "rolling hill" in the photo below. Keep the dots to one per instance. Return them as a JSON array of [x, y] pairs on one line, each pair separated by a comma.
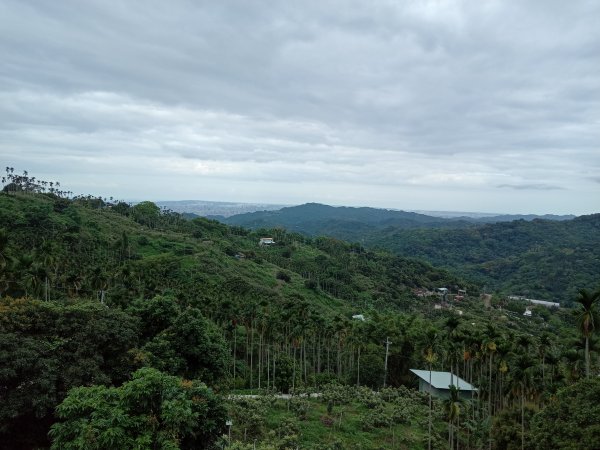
[[548, 258]]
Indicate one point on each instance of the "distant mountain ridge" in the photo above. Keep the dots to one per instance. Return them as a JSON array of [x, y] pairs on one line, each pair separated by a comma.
[[352, 223], [493, 217]]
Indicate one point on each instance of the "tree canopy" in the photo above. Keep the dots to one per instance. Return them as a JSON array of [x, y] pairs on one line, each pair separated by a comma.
[[153, 410]]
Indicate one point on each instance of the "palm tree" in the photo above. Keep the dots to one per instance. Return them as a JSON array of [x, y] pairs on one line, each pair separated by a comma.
[[452, 406], [587, 317], [545, 342], [522, 380], [490, 347], [430, 358]]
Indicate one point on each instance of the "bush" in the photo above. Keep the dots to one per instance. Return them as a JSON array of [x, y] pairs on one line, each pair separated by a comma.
[[300, 407], [375, 418], [338, 394], [311, 284], [284, 276]]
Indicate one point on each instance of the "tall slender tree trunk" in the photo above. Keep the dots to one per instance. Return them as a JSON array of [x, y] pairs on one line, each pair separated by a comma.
[[522, 417], [339, 358], [274, 362], [268, 366], [587, 357], [294, 371], [429, 390], [543, 369], [319, 353], [260, 339], [251, 356], [490, 401], [305, 362], [234, 349]]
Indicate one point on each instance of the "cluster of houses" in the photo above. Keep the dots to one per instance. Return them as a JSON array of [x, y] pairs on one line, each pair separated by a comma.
[[444, 296]]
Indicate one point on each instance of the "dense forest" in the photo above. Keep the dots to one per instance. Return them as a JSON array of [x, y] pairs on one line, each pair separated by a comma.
[[538, 258], [128, 326]]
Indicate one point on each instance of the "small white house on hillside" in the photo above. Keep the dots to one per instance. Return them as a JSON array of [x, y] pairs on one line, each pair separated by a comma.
[[266, 241], [438, 383]]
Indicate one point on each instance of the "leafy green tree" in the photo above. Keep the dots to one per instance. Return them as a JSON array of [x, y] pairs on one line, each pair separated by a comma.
[[46, 349], [506, 428], [371, 367], [146, 213], [572, 420], [156, 314], [193, 347], [153, 410], [249, 417], [284, 372]]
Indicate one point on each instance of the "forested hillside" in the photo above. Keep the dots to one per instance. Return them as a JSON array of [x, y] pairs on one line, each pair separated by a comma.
[[128, 327], [540, 259], [546, 259], [341, 222]]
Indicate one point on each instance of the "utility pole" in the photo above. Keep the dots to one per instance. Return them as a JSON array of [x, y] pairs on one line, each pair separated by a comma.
[[387, 349]]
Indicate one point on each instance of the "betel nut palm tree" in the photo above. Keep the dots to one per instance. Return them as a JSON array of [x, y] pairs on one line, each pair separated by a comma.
[[587, 320], [430, 357]]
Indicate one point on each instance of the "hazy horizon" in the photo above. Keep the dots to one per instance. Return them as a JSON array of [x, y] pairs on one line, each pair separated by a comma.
[[435, 213]]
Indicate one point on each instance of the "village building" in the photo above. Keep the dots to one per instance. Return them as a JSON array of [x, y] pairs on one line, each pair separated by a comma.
[[266, 241], [545, 303], [441, 382]]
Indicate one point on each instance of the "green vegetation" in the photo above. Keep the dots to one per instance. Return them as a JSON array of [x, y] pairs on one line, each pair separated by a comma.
[[153, 410], [129, 324], [571, 420], [545, 259], [342, 417]]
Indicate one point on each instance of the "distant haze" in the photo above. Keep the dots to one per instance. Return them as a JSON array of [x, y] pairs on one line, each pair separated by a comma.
[[488, 106], [206, 208]]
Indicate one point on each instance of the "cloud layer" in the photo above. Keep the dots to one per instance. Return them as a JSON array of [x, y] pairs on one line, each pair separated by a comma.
[[489, 106]]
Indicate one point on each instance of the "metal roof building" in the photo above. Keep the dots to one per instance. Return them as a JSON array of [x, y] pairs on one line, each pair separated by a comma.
[[440, 383]]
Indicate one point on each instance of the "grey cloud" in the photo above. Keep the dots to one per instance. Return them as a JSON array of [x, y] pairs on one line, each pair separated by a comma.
[[532, 186], [433, 95]]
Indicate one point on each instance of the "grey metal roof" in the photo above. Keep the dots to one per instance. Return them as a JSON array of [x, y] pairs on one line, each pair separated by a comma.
[[441, 380]]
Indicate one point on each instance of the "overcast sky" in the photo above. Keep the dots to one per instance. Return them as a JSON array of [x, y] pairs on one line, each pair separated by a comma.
[[489, 106]]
